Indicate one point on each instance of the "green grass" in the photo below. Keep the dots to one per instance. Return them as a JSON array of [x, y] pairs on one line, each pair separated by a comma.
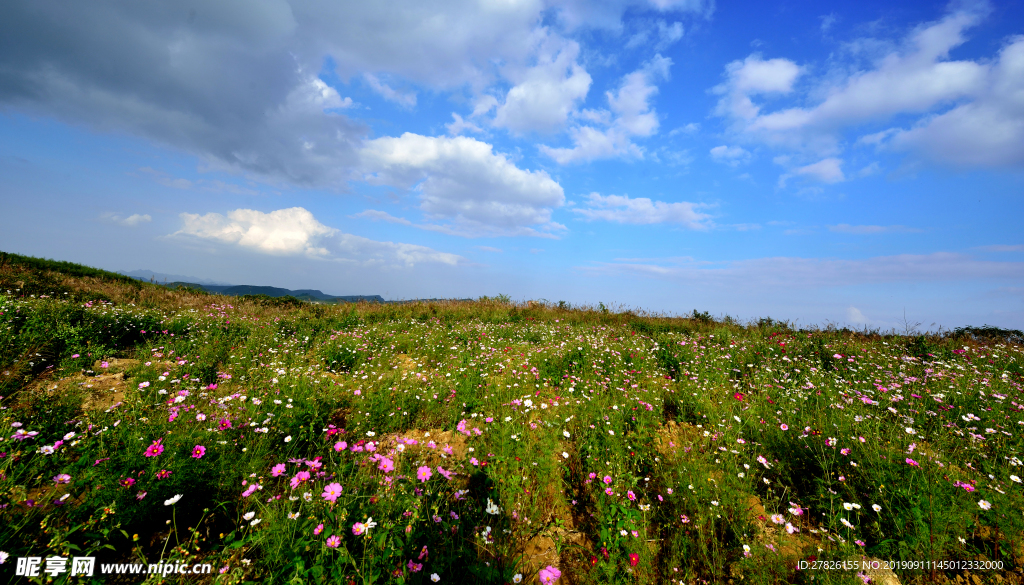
[[709, 433]]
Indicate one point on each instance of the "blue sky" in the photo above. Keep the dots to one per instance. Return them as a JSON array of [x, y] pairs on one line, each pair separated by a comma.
[[849, 163]]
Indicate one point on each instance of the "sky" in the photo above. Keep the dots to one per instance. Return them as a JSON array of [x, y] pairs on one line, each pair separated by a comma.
[[855, 164]]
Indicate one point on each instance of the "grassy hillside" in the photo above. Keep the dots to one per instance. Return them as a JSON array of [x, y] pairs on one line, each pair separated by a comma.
[[487, 441]]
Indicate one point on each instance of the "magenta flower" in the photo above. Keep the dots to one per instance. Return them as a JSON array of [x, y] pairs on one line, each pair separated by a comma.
[[277, 470], [609, 491], [127, 482], [141, 496], [340, 446], [319, 528], [386, 465], [548, 575], [784, 427], [198, 452], [333, 541], [423, 473], [224, 424], [61, 478], [414, 567], [447, 474], [631, 496], [155, 449], [607, 479], [299, 478], [163, 474], [332, 491], [912, 462]]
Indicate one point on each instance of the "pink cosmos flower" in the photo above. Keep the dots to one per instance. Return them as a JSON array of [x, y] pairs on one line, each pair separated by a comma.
[[319, 528], [163, 474], [447, 474], [423, 473], [340, 446], [609, 491], [127, 482], [333, 541], [634, 559], [61, 478], [332, 491], [631, 496], [548, 575], [784, 427], [607, 479], [155, 449], [913, 463], [224, 425], [414, 567], [386, 465], [277, 470], [198, 452]]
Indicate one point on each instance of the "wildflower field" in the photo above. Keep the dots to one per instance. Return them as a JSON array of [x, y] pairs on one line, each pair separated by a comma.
[[495, 442]]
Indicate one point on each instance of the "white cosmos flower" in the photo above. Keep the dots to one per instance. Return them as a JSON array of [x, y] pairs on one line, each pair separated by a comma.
[[847, 506], [434, 577], [565, 434], [248, 516], [517, 578], [288, 439], [846, 522], [172, 501], [876, 507], [255, 522], [984, 504], [1014, 479], [910, 430], [492, 508], [565, 455]]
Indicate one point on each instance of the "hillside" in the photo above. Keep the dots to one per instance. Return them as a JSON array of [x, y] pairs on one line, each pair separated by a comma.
[[393, 442]]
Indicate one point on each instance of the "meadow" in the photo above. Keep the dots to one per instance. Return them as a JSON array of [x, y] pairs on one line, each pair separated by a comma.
[[495, 442]]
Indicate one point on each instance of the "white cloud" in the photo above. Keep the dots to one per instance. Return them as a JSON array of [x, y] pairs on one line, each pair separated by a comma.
[[643, 211], [845, 228], [130, 221], [968, 112], [406, 100], [731, 155], [294, 231], [282, 232], [545, 94], [490, 249], [664, 34], [853, 315], [631, 115], [827, 170], [988, 131], [458, 126], [462, 181], [750, 77]]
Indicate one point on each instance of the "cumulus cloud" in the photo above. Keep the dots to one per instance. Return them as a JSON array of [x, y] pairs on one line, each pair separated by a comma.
[[235, 83], [545, 94], [855, 316], [463, 182], [643, 211], [458, 126], [406, 99], [730, 155], [986, 132], [827, 170], [966, 112], [630, 115], [294, 231], [130, 221]]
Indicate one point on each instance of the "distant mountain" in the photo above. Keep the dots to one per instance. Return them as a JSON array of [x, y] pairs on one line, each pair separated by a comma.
[[160, 277], [238, 290]]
